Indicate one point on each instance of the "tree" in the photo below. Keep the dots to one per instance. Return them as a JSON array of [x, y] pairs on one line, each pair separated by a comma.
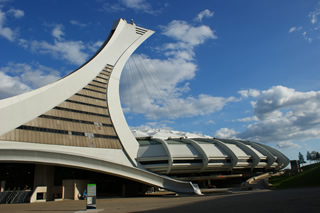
[[309, 157], [301, 159], [315, 156], [318, 156]]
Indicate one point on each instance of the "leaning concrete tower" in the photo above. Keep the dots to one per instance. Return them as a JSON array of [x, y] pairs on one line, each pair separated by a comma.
[[78, 121]]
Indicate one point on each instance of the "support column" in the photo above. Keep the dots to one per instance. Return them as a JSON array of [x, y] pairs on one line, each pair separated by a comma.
[[43, 176], [2, 185]]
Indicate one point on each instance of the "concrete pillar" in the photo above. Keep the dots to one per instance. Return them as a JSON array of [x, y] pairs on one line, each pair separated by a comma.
[[2, 186], [43, 176], [75, 191], [68, 189], [72, 188]]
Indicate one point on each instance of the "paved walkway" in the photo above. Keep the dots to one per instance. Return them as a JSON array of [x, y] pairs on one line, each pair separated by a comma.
[[294, 200]]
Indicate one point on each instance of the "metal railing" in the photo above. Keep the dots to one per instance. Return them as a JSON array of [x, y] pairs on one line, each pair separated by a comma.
[[15, 196]]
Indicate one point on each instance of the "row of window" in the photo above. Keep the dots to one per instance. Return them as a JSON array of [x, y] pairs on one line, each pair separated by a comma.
[[65, 132], [102, 78], [105, 136], [141, 31], [87, 104], [92, 135], [108, 68], [72, 120], [240, 160], [99, 82], [79, 111], [154, 162], [188, 161], [40, 129], [97, 86], [174, 161], [105, 74], [93, 90], [194, 161], [220, 161], [87, 96]]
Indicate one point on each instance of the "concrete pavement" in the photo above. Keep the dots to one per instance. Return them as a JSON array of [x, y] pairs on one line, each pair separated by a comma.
[[293, 200]]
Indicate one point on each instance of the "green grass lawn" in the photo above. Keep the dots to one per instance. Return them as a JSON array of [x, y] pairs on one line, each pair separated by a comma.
[[308, 178]]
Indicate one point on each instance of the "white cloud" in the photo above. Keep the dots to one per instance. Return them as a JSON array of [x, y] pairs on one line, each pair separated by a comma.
[[38, 75], [117, 7], [57, 31], [182, 31], [38, 78], [163, 124], [249, 93], [248, 119], [77, 23], [72, 51], [136, 5], [307, 37], [23, 43], [159, 90], [94, 47], [254, 93], [187, 37], [280, 97], [226, 133], [75, 52], [7, 32], [310, 29], [314, 16], [24, 77], [295, 29], [202, 14], [285, 145], [285, 114], [179, 50], [10, 86], [292, 29], [16, 13], [210, 122]]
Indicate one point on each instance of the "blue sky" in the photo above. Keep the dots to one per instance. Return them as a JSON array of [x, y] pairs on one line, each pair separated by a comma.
[[235, 69]]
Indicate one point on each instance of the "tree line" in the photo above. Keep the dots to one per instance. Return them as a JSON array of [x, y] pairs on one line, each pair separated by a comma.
[[311, 157]]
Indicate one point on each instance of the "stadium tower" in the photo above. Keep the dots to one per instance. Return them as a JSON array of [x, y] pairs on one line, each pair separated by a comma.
[[78, 121]]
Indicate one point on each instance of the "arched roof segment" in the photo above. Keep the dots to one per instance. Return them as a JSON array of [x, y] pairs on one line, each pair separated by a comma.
[[204, 155]]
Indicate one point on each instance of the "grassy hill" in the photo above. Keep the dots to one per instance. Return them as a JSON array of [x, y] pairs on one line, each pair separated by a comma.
[[308, 178]]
